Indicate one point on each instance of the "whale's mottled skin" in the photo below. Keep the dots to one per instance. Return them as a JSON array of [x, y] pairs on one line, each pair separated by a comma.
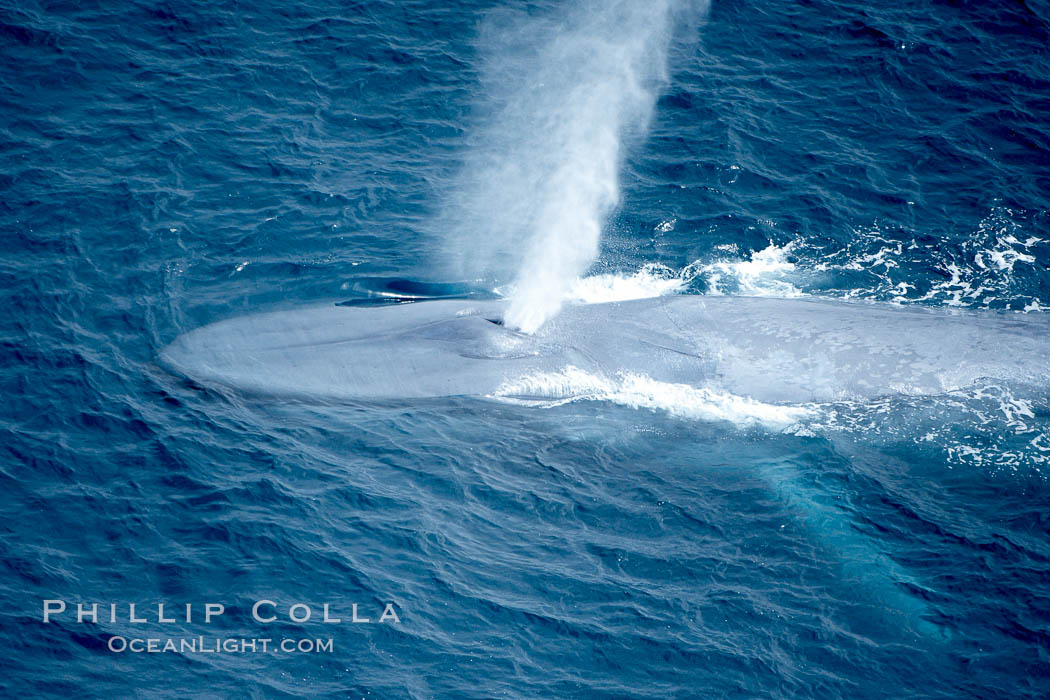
[[773, 350]]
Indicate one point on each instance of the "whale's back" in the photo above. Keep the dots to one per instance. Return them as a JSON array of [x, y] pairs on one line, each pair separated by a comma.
[[773, 350]]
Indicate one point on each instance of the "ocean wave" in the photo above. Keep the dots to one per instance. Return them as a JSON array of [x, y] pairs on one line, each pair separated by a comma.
[[650, 281], [983, 426], [572, 384], [995, 267], [764, 273]]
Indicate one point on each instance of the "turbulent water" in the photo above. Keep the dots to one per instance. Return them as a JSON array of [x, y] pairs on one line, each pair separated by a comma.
[[166, 165]]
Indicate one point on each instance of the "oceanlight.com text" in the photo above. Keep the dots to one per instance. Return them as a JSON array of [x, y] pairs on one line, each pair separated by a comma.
[[218, 645]]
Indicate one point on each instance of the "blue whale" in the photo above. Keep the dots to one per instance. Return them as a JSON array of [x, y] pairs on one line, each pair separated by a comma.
[[758, 358], [775, 351]]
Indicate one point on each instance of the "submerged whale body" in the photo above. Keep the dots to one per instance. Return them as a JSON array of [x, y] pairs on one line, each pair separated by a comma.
[[771, 350]]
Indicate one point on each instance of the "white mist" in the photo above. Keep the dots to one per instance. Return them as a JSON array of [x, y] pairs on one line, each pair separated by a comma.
[[563, 92]]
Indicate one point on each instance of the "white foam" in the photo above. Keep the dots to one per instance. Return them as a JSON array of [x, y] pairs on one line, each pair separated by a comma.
[[666, 226], [650, 281], [640, 391], [1004, 259], [765, 274], [985, 271], [762, 275], [989, 267]]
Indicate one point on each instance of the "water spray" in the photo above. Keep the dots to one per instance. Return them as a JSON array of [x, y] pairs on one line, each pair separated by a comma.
[[563, 93]]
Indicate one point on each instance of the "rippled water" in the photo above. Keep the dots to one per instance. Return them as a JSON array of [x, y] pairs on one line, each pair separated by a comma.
[[165, 165]]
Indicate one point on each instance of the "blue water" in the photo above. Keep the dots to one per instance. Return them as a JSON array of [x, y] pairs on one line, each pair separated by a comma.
[[164, 165]]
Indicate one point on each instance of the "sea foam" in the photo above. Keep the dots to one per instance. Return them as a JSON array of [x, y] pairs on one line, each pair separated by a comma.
[[634, 390]]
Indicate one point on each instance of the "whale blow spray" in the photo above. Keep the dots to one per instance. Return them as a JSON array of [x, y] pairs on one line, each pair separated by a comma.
[[562, 94]]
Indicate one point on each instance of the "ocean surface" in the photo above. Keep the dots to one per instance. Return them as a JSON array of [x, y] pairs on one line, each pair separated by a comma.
[[165, 165]]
